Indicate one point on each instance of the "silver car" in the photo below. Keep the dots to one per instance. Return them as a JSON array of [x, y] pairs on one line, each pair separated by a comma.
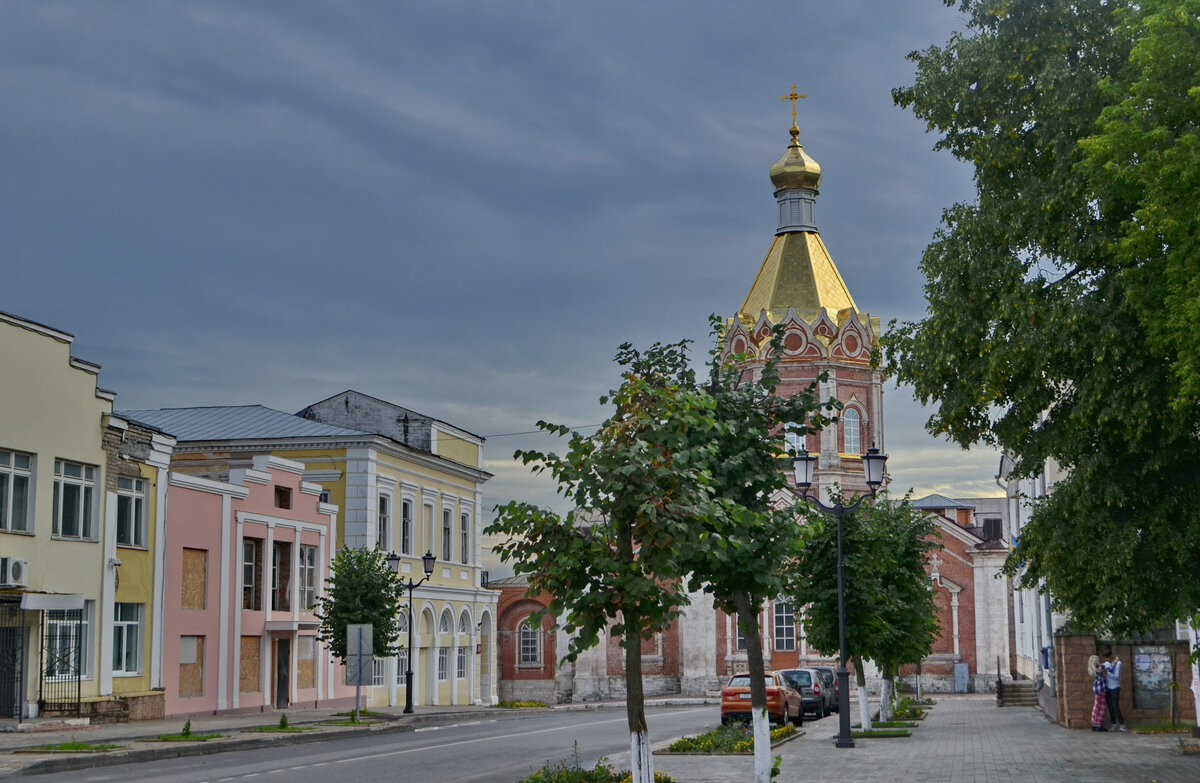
[[813, 690]]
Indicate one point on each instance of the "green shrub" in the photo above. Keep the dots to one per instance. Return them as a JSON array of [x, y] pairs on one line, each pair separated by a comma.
[[521, 704], [728, 738], [573, 773]]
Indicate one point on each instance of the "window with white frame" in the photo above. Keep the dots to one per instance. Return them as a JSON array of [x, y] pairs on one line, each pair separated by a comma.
[[531, 643], [74, 495], [443, 664], [402, 620], [401, 666], [740, 638], [460, 667], [851, 431], [127, 638], [383, 532], [447, 535], [16, 473], [464, 527], [446, 624], [464, 623], [406, 520], [308, 577], [67, 642], [252, 553], [785, 625], [378, 671], [131, 511], [428, 531]]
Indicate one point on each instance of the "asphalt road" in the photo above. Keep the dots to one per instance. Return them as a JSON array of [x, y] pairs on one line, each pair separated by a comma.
[[501, 750]]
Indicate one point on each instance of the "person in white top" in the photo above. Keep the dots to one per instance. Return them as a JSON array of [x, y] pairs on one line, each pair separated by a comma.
[[1112, 681]]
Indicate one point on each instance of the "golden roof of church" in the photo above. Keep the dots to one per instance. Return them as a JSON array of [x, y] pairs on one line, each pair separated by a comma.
[[797, 272]]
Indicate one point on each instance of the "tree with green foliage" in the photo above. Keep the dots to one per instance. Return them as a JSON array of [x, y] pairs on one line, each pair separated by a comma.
[[745, 543], [890, 613], [636, 486], [361, 589], [1064, 303]]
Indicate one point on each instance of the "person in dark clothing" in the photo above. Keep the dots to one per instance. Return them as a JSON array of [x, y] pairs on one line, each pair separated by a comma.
[[1112, 693]]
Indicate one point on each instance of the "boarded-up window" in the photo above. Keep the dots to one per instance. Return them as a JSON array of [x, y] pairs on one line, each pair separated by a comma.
[[195, 578], [250, 680], [306, 664], [191, 667]]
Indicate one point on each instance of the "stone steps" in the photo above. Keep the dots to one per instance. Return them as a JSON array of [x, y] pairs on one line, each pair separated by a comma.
[[1019, 693]]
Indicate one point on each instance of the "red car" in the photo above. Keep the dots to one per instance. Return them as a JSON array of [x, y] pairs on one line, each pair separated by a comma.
[[783, 702]]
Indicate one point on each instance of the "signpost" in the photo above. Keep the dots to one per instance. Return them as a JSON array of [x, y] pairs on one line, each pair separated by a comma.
[[360, 659]]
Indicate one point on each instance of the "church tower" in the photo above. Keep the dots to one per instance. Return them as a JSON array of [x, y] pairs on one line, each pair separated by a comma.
[[799, 286]]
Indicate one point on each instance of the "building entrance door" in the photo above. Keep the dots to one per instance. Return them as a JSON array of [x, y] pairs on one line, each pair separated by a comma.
[[283, 671]]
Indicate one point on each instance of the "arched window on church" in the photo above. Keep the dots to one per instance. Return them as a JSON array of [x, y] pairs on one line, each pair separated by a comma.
[[851, 429], [531, 644]]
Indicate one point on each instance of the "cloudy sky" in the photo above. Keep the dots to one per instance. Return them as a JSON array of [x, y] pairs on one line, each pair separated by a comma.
[[462, 207]]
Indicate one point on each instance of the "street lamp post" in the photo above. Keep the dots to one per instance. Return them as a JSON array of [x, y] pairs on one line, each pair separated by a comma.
[[427, 563], [873, 463]]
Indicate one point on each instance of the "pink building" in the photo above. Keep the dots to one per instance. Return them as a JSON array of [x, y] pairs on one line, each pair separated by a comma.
[[245, 561]]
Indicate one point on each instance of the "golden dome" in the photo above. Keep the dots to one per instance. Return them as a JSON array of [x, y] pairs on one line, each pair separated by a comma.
[[795, 169]]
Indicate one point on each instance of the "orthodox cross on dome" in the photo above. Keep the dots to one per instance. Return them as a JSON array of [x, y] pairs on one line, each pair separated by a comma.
[[793, 97]]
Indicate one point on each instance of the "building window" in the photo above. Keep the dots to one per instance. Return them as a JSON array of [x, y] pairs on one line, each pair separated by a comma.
[[993, 529], [401, 666], [446, 624], [131, 511], [531, 644], [460, 667], [464, 623], [194, 594], [15, 475], [74, 490], [406, 527], [443, 665], [67, 642], [446, 535], [323, 497], [739, 642], [428, 528], [127, 638], [281, 576], [383, 530], [283, 497], [308, 577], [785, 625], [464, 527], [252, 573], [851, 427], [378, 671]]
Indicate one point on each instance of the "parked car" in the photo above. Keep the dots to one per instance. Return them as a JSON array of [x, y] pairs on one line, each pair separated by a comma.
[[814, 695], [829, 676], [784, 703]]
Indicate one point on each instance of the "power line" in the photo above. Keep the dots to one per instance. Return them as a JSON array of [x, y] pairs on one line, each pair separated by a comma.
[[540, 432]]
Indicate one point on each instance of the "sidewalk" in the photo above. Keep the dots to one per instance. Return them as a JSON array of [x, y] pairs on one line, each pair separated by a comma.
[[965, 739]]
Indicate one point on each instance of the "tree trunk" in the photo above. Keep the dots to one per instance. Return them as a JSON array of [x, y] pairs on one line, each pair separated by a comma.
[[864, 707], [748, 620], [885, 695], [641, 764]]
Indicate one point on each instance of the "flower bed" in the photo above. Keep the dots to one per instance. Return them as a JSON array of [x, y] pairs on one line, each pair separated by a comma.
[[729, 738]]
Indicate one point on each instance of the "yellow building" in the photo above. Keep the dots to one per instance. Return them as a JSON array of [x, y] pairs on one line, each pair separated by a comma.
[[80, 537], [405, 483]]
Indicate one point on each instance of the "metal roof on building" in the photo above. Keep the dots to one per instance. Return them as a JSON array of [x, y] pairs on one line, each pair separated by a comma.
[[939, 501], [235, 422]]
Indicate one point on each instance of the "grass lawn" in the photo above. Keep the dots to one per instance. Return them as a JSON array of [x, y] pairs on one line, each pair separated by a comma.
[[881, 733], [75, 747]]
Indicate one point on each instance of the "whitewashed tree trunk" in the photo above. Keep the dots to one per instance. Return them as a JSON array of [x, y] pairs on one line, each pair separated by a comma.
[[864, 708], [885, 700], [762, 747], [641, 765]]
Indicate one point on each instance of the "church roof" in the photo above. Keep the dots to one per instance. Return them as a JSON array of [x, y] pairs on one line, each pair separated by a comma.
[[797, 272]]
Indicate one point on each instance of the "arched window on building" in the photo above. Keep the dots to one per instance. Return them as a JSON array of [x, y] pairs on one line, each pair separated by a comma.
[[851, 431], [530, 638], [446, 624]]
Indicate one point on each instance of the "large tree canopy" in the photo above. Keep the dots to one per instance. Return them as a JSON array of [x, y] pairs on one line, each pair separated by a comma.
[[1063, 304]]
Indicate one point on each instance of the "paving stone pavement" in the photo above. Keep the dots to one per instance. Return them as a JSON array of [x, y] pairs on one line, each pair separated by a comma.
[[964, 739]]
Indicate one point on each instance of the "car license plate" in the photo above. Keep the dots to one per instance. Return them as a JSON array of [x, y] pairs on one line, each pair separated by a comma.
[[744, 696]]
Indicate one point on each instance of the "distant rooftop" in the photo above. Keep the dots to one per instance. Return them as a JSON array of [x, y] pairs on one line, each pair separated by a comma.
[[936, 501], [234, 422]]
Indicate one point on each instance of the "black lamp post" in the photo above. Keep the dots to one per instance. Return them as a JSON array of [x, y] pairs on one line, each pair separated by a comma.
[[873, 463], [427, 563]]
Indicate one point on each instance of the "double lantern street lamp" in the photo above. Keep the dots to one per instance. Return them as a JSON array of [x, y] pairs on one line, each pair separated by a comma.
[[873, 463], [427, 563]]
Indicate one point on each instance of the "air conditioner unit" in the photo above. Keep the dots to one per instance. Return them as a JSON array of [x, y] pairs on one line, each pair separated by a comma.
[[14, 572]]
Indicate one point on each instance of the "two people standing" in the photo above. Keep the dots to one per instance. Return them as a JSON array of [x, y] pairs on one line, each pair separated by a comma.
[[1106, 685]]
